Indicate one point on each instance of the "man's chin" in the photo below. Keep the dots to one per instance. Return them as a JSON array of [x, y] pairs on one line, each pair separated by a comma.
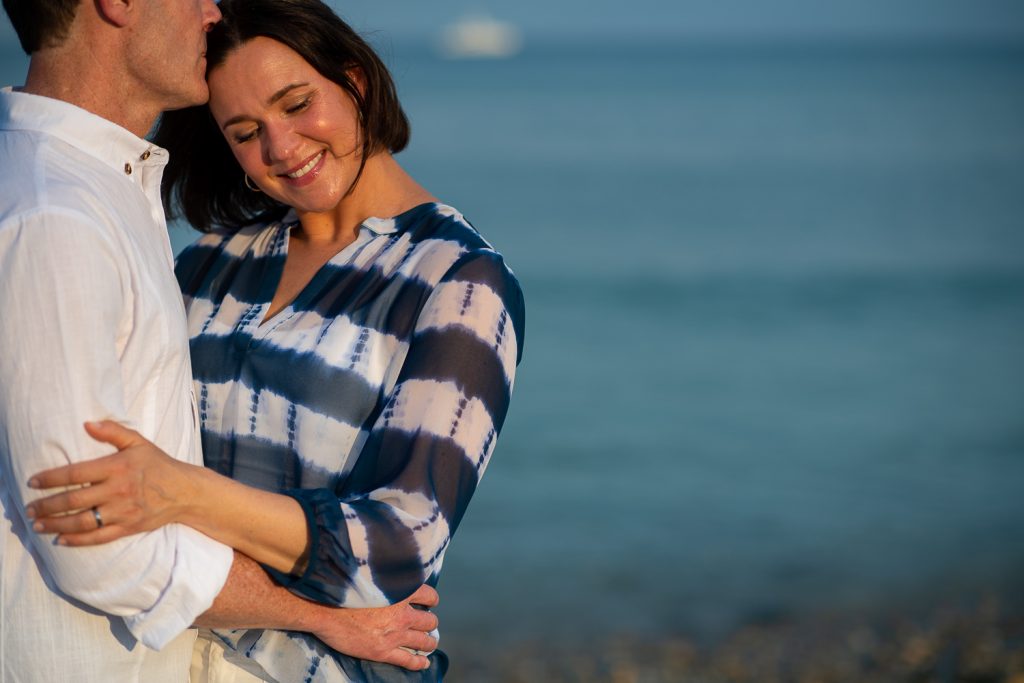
[[200, 95]]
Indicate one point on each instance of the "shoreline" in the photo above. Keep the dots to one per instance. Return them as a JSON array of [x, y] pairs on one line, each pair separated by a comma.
[[980, 644]]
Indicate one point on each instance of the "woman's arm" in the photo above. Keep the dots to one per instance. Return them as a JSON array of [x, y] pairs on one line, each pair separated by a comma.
[[141, 488]]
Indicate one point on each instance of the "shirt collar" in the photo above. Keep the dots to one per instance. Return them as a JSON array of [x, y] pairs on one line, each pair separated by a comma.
[[110, 143], [378, 226], [399, 223], [381, 226]]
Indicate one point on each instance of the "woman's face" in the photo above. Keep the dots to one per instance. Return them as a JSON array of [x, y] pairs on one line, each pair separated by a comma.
[[295, 133]]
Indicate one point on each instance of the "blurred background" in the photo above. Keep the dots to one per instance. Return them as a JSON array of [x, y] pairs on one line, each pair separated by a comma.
[[770, 420]]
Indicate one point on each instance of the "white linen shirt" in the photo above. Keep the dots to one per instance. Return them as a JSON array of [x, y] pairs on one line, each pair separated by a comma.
[[92, 328]]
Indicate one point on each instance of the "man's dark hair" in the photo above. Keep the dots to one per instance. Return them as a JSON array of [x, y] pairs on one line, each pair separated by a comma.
[[41, 23], [203, 178]]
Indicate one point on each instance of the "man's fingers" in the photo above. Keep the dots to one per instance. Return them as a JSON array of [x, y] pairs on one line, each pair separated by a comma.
[[114, 433], [425, 595], [420, 641], [407, 660], [422, 621]]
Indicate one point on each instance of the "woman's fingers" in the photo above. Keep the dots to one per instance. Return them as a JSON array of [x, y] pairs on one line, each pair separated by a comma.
[[117, 435], [85, 472], [75, 523], [97, 469], [94, 537], [67, 501], [91, 526]]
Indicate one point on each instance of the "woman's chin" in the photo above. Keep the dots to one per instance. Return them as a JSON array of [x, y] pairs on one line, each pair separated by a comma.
[[309, 202], [302, 207]]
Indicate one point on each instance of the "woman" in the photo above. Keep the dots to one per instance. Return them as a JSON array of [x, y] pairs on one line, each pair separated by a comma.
[[353, 341]]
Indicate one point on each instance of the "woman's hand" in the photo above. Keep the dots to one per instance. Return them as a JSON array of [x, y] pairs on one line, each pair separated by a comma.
[[139, 488], [398, 634]]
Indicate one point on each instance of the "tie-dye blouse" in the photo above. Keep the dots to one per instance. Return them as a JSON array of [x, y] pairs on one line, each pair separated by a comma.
[[374, 399]]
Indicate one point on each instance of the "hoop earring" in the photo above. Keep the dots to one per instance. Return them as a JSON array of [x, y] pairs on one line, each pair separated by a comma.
[[249, 184]]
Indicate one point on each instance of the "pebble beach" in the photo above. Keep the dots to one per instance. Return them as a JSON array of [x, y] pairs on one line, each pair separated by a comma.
[[980, 644]]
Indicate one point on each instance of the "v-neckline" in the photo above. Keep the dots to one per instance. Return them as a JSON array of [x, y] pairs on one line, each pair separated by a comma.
[[267, 322], [372, 227]]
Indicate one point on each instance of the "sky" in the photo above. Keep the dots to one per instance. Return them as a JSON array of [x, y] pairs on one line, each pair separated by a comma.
[[697, 19]]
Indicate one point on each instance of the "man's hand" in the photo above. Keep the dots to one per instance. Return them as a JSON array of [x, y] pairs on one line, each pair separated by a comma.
[[392, 635], [398, 634]]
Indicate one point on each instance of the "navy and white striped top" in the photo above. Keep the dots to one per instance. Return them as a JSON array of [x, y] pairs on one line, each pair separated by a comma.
[[374, 398]]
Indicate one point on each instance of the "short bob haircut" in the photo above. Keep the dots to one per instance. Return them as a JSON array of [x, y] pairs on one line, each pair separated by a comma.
[[203, 178]]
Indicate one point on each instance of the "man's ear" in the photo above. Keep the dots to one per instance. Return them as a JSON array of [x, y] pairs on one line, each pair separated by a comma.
[[117, 12]]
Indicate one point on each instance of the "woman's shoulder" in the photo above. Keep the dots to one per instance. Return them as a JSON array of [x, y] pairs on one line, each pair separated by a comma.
[[463, 271], [442, 238], [237, 240], [221, 245], [451, 250], [441, 222]]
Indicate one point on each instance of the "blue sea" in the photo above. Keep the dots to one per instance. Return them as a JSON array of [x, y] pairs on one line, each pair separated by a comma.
[[775, 337]]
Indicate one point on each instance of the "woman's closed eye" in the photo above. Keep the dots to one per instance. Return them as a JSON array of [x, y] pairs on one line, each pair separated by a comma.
[[246, 135], [299, 106]]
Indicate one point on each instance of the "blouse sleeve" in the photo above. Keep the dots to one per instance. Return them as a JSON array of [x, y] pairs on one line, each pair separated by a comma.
[[384, 534]]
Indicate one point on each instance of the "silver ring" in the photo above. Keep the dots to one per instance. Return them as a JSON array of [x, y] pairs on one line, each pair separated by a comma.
[[99, 518]]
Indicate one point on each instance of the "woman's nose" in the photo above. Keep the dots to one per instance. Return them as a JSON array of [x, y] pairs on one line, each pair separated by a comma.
[[279, 144]]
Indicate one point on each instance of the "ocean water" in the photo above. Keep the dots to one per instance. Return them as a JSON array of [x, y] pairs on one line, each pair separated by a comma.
[[775, 337]]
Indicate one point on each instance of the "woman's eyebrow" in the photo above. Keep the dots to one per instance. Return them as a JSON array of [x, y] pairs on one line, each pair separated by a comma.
[[270, 100]]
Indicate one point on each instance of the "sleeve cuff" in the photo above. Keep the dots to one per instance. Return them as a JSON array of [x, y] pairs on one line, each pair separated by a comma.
[[201, 567], [323, 514]]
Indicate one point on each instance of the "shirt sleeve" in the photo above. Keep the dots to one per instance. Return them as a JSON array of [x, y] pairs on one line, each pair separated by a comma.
[[66, 305], [385, 533]]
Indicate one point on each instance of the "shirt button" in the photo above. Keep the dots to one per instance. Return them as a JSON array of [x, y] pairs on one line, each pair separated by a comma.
[[127, 168], [145, 155]]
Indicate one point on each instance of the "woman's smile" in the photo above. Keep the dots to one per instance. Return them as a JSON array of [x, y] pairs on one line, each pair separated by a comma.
[[307, 172]]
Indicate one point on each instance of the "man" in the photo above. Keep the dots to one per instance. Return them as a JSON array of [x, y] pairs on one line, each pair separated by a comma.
[[93, 328]]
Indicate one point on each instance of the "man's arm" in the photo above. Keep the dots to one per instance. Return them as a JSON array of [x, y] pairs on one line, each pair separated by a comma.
[[250, 599], [65, 297]]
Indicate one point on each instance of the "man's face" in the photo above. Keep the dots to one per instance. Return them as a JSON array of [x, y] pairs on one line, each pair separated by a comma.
[[169, 49]]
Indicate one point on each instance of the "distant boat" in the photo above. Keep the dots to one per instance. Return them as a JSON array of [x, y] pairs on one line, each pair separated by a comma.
[[480, 37]]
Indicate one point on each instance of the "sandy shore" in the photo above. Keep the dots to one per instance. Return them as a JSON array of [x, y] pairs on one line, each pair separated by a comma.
[[984, 644]]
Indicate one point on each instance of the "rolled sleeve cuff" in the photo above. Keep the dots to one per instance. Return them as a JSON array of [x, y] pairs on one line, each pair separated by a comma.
[[323, 516], [201, 567]]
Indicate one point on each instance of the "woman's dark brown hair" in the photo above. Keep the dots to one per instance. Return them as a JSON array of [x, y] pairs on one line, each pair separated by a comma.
[[202, 178]]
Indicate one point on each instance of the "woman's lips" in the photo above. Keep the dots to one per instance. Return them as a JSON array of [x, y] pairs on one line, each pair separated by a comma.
[[307, 171]]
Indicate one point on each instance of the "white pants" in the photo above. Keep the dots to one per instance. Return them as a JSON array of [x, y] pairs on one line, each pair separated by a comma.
[[210, 666]]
